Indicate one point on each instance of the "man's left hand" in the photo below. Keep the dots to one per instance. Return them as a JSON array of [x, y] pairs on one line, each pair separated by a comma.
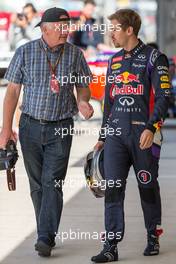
[[85, 109], [146, 139]]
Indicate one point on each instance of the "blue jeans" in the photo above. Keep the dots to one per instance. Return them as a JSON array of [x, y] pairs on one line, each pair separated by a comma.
[[46, 154]]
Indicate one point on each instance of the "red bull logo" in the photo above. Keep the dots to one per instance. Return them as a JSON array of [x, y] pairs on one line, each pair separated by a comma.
[[126, 78], [158, 125], [126, 90]]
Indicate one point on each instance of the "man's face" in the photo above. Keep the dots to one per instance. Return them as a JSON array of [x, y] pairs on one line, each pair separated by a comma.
[[58, 31], [118, 35], [28, 12], [88, 10]]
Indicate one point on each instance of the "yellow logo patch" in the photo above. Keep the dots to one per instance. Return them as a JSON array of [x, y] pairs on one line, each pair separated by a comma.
[[116, 66], [164, 78], [165, 85]]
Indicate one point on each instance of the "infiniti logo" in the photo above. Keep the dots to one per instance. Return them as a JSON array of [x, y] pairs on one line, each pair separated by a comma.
[[126, 101], [141, 56]]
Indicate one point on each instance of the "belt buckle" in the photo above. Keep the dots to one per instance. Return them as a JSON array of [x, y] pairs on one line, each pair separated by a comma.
[[42, 122], [138, 123]]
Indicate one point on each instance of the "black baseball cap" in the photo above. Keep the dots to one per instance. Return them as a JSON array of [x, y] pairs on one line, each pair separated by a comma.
[[53, 15]]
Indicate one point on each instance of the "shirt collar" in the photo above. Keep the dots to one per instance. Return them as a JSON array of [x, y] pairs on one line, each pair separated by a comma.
[[47, 48], [136, 50]]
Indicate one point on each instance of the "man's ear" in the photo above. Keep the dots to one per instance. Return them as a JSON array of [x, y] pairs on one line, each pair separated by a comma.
[[130, 31], [44, 29]]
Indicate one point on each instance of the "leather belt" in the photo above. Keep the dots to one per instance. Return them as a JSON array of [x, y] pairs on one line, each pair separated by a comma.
[[44, 122]]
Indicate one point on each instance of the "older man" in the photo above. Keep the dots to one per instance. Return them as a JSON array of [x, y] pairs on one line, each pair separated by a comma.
[[48, 108]]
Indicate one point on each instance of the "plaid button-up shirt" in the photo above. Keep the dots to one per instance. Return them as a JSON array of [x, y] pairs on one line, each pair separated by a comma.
[[29, 67]]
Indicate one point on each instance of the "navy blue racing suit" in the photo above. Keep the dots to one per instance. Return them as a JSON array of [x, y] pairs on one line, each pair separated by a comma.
[[131, 79]]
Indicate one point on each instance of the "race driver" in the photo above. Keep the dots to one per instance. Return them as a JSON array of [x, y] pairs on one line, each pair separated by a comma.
[[133, 73]]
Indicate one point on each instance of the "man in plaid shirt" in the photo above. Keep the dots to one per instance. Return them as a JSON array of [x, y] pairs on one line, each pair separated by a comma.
[[43, 67]]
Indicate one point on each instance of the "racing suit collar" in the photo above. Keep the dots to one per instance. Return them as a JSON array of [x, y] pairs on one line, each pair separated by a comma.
[[135, 51]]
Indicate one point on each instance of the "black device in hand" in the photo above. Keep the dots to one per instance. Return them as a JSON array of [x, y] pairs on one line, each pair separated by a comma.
[[21, 16], [8, 159]]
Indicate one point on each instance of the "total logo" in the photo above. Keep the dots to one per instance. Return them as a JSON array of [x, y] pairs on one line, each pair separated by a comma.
[[126, 78], [126, 90], [126, 101]]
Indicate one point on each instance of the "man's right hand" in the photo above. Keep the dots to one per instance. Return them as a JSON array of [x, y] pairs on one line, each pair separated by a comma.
[[5, 136], [99, 145]]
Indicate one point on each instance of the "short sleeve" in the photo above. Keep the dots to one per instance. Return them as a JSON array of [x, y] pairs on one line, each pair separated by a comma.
[[84, 75], [14, 72]]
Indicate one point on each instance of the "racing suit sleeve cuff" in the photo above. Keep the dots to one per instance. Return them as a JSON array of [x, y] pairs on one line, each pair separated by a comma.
[[151, 128]]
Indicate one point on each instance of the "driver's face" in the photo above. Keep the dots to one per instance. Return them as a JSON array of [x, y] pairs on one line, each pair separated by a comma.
[[118, 35]]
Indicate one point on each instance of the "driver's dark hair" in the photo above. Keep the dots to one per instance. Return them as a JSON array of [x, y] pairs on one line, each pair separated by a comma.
[[127, 18]]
